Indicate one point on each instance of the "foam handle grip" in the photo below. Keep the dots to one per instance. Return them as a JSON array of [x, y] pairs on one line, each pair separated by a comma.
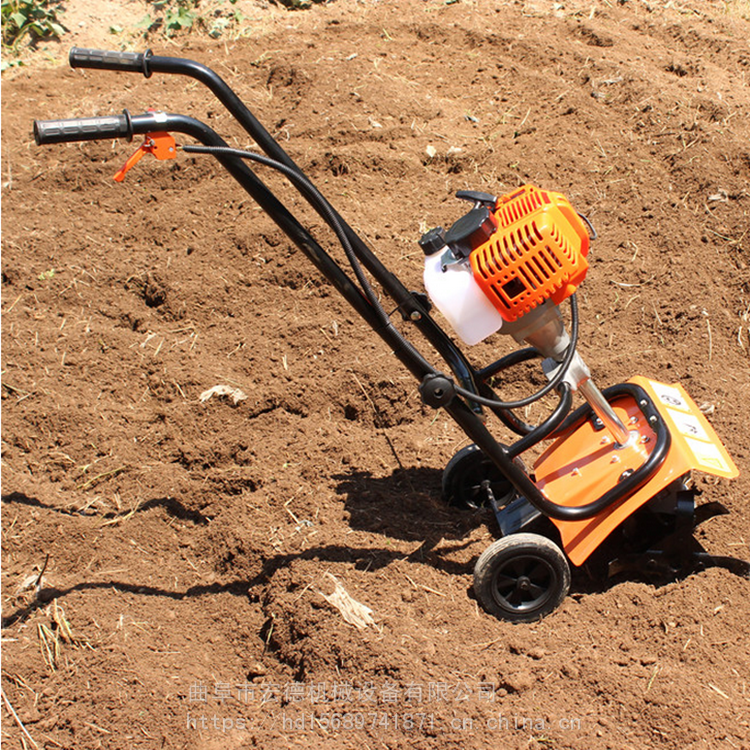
[[106, 60], [84, 129]]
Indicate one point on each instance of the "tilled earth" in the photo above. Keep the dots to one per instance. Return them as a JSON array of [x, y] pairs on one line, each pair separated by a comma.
[[188, 548]]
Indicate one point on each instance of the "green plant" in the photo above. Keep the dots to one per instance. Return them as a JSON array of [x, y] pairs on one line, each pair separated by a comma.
[[179, 15], [172, 16], [35, 17], [225, 21]]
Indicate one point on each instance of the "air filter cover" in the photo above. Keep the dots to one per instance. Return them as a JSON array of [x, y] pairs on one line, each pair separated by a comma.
[[537, 253]]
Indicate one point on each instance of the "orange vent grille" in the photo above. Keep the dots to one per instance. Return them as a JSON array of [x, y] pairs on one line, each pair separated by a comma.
[[537, 253]]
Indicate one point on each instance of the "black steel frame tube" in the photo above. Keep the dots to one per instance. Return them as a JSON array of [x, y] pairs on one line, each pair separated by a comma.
[[405, 300], [526, 487]]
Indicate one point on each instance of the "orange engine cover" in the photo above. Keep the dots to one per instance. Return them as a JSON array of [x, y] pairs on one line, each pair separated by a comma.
[[537, 253]]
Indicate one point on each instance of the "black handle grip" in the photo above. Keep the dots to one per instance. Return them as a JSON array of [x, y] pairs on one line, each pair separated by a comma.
[[84, 129], [474, 196], [110, 60]]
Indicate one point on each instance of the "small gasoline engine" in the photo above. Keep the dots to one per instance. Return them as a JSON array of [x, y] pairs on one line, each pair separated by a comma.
[[507, 265]]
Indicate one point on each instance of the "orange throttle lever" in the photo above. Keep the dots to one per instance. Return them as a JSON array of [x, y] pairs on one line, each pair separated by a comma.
[[161, 145]]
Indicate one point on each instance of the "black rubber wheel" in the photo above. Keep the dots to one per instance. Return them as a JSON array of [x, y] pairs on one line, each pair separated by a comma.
[[521, 577], [463, 477]]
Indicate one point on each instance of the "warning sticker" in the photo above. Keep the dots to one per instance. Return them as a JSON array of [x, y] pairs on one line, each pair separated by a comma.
[[670, 396], [708, 455], [695, 444], [688, 425]]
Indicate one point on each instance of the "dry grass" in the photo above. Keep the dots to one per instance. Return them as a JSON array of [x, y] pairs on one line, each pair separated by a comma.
[[26, 735], [55, 634], [353, 612]]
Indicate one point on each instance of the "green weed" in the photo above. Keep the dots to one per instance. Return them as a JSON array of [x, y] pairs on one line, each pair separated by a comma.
[[172, 17], [36, 17]]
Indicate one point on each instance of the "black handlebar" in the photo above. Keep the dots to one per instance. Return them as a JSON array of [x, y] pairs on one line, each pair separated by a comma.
[[136, 62], [148, 63], [83, 129]]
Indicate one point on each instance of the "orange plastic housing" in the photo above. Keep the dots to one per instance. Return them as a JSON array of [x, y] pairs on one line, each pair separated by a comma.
[[537, 253]]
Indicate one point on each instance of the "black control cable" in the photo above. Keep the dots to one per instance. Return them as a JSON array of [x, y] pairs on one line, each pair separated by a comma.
[[570, 352], [316, 198]]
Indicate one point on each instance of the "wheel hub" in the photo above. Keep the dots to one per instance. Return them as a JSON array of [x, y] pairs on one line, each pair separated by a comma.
[[523, 584]]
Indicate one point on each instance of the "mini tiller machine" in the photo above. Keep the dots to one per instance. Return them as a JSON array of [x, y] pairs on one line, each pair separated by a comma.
[[616, 468]]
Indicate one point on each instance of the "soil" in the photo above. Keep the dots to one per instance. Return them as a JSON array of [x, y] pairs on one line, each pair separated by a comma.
[[167, 560]]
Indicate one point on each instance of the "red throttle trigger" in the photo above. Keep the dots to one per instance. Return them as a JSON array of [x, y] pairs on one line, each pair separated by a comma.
[[161, 145]]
